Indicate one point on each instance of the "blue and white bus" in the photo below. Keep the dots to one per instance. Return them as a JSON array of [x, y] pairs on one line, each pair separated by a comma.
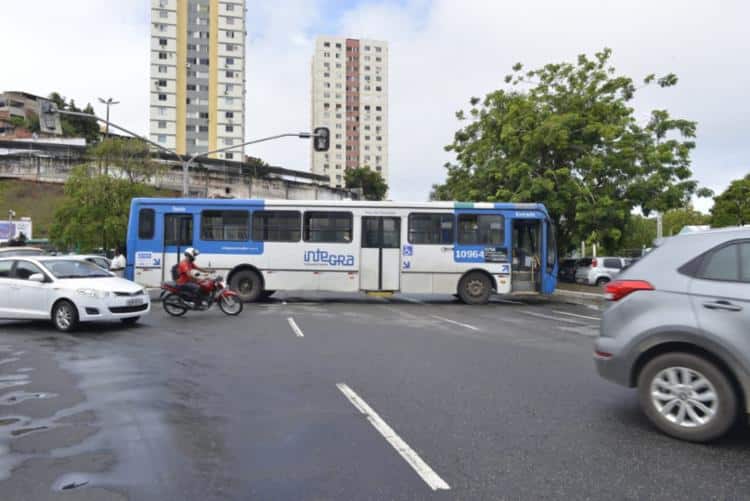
[[262, 246]]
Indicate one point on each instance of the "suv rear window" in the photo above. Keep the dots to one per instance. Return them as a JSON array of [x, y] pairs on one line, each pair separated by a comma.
[[584, 262], [612, 263]]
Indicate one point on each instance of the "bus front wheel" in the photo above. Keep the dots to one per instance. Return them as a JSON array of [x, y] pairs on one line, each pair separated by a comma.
[[475, 288], [247, 284]]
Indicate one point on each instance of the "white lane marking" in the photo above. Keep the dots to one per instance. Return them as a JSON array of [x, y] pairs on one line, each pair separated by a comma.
[[550, 317], [295, 327], [576, 315], [466, 326], [423, 469], [509, 301]]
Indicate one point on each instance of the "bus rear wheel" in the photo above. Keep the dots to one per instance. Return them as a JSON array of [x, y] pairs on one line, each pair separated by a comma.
[[247, 284], [475, 288]]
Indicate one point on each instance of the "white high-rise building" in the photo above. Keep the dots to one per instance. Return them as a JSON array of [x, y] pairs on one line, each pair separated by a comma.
[[350, 96], [198, 75]]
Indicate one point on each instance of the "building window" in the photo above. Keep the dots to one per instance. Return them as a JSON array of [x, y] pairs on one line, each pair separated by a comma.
[[326, 44], [162, 55], [230, 6], [203, 114], [230, 34], [162, 138], [229, 156], [229, 114], [162, 68], [229, 128], [162, 124], [162, 97], [378, 88], [328, 227], [276, 226], [230, 47], [163, 13], [227, 225], [228, 141], [480, 229], [229, 74], [162, 42], [378, 49], [230, 20]]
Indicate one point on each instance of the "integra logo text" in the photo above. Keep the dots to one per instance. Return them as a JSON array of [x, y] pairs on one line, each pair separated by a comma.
[[318, 256]]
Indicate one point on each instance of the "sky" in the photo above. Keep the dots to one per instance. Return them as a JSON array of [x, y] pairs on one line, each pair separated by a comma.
[[442, 52]]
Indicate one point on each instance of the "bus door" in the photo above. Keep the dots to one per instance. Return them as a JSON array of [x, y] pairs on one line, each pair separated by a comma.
[[527, 262], [380, 258], [178, 236]]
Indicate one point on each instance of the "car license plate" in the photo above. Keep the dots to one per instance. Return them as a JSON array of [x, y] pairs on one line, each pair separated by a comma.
[[134, 302]]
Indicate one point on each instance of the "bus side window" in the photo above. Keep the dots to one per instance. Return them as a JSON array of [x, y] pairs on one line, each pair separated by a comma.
[[146, 224]]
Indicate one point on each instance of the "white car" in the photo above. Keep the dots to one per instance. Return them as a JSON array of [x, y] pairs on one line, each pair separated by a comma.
[[67, 290]]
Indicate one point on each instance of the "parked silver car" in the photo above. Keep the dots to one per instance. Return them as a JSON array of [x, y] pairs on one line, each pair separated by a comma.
[[678, 329], [599, 270]]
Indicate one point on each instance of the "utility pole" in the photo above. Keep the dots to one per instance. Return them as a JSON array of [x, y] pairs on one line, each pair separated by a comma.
[[109, 102]]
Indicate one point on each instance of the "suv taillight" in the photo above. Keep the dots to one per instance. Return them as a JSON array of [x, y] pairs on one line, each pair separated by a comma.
[[614, 291], [593, 263]]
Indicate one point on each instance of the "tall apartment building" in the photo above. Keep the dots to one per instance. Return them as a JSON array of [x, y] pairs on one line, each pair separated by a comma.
[[350, 96], [198, 75]]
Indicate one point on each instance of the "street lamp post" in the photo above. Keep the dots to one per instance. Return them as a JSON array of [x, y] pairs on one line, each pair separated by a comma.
[[109, 102], [321, 140], [186, 164]]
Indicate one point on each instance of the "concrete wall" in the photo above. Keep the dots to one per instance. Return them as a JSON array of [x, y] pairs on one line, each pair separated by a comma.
[[225, 182]]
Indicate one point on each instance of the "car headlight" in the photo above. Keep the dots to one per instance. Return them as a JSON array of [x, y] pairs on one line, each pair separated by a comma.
[[93, 293]]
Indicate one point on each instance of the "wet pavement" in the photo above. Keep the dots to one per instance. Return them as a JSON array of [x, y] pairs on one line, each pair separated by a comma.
[[494, 402]]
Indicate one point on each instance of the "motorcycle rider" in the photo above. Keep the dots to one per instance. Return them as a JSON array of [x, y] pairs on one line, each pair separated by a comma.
[[188, 273]]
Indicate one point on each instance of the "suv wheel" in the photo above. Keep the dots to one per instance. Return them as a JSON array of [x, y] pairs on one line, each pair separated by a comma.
[[602, 280], [687, 397]]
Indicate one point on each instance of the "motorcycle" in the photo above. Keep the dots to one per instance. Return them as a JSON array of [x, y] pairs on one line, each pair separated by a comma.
[[177, 301]]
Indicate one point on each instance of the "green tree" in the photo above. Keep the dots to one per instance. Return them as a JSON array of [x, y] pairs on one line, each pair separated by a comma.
[[639, 232], [732, 208], [76, 126], [566, 135], [131, 158], [95, 211], [674, 220], [371, 182]]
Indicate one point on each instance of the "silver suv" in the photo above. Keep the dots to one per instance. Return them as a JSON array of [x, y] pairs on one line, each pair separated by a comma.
[[599, 270], [678, 329]]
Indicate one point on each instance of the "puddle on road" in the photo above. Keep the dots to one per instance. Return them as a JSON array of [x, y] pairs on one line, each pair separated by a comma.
[[71, 481], [25, 431], [17, 397]]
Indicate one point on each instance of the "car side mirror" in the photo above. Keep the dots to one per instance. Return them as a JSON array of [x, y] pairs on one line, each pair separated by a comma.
[[38, 277]]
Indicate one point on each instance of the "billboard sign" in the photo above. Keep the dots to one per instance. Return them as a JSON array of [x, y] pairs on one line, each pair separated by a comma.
[[12, 230]]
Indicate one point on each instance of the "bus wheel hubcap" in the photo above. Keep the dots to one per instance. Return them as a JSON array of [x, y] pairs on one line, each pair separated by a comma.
[[475, 287]]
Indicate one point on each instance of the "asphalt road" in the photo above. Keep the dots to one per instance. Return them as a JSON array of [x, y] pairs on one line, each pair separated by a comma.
[[339, 397]]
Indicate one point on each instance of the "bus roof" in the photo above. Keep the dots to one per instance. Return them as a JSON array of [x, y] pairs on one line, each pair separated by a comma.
[[225, 202]]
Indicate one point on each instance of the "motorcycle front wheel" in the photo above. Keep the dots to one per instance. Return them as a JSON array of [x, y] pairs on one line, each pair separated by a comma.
[[173, 305], [230, 305]]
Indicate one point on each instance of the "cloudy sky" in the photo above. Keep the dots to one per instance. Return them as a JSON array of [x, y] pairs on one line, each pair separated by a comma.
[[442, 53]]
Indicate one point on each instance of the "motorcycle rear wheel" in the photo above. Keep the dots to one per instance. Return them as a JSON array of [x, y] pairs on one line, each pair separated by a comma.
[[230, 305], [174, 305]]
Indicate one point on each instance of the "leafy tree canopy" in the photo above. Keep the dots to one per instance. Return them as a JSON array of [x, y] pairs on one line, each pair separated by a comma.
[[370, 181], [732, 208], [76, 126], [566, 135], [130, 157]]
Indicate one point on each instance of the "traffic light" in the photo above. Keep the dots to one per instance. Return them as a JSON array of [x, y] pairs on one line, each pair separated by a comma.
[[321, 139]]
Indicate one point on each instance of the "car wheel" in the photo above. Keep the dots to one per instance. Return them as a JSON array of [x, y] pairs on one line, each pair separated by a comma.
[[130, 321], [248, 285], [687, 397], [474, 288], [601, 281], [65, 316]]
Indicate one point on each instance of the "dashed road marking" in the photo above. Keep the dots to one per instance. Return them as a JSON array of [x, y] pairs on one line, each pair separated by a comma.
[[466, 326], [431, 478], [551, 317], [576, 315], [295, 327]]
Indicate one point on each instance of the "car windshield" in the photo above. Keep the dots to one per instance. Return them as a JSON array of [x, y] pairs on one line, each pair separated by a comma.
[[75, 269]]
